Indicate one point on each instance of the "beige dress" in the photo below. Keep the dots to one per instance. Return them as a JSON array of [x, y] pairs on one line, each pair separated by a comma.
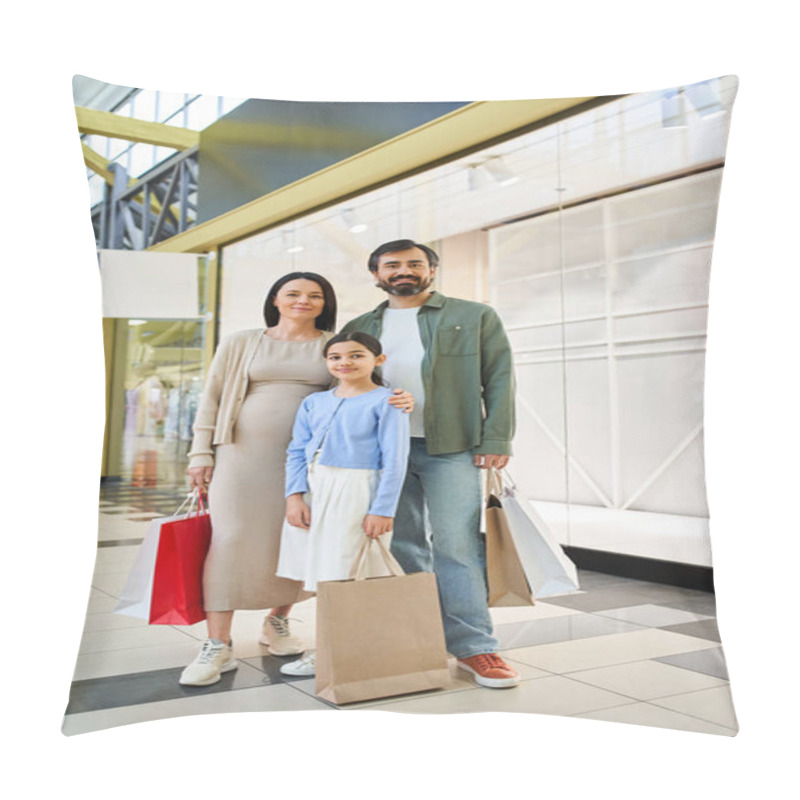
[[246, 494]]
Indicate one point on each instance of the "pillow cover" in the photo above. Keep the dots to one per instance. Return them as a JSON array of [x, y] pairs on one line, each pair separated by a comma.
[[586, 223]]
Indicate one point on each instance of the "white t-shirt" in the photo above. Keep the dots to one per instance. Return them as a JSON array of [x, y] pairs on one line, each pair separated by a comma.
[[402, 345]]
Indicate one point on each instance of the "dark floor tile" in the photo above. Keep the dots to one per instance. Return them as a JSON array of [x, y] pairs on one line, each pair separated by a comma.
[[620, 596], [119, 542], [700, 603], [271, 667], [152, 687], [600, 580], [709, 662], [306, 685], [139, 500], [163, 502], [702, 629], [558, 629]]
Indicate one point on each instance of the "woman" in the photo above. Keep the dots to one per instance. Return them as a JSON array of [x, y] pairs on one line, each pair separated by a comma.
[[256, 382]]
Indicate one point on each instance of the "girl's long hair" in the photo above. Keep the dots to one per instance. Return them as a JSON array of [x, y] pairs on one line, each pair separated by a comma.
[[326, 321], [370, 342]]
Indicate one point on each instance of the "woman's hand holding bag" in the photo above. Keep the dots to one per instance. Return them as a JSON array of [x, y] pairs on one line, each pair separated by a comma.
[[200, 477]]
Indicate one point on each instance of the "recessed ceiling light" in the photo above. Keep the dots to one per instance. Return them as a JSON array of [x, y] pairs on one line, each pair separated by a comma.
[[354, 224], [500, 171]]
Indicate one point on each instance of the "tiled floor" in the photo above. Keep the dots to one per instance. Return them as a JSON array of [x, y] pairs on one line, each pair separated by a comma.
[[621, 650]]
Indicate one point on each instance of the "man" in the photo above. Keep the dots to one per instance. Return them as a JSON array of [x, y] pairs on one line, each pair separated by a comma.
[[453, 355]]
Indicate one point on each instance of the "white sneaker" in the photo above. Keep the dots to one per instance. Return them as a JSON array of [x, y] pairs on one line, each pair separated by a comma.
[[303, 667], [213, 659], [279, 639]]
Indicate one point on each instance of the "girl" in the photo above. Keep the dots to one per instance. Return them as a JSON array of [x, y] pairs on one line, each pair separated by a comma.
[[344, 471]]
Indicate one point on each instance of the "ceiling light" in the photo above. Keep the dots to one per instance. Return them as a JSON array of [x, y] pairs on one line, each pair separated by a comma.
[[705, 99], [354, 225], [673, 109], [137, 322], [500, 171], [289, 244], [476, 178]]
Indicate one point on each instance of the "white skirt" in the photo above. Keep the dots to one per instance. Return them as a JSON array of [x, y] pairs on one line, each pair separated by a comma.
[[339, 499]]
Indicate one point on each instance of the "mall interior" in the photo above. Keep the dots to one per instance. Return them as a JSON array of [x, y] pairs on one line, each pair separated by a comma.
[[586, 223]]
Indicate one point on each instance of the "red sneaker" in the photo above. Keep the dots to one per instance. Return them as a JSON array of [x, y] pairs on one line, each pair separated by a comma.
[[490, 670]]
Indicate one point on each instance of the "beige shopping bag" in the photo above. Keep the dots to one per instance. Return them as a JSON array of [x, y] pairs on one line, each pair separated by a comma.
[[378, 637], [547, 568], [505, 574]]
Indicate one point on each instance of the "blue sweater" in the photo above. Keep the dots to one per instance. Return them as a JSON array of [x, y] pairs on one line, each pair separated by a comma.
[[363, 432]]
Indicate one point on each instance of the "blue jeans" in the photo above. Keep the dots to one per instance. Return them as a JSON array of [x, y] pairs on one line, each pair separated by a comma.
[[437, 529]]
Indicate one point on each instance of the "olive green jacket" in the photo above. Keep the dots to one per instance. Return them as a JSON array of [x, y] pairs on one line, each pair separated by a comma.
[[467, 373]]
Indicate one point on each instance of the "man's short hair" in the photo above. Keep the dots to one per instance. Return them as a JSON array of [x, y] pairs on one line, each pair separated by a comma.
[[397, 246]]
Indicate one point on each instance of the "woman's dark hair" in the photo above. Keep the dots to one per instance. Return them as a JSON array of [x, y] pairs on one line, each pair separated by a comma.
[[398, 246], [326, 321], [370, 342]]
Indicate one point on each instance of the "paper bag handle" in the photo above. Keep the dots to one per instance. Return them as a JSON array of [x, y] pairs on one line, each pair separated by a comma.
[[194, 497], [360, 562], [496, 480]]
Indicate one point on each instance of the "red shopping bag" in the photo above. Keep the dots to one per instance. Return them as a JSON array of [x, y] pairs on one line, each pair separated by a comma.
[[177, 597], [165, 585]]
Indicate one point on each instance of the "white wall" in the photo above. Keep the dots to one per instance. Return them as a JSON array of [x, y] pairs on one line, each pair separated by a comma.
[[606, 309]]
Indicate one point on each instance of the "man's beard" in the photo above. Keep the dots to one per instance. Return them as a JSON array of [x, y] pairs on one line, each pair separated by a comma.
[[417, 286]]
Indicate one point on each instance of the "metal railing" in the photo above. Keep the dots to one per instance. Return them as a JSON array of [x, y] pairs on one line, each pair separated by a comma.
[[159, 204]]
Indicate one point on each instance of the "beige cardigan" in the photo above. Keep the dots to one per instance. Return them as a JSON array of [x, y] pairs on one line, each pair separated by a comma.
[[223, 395]]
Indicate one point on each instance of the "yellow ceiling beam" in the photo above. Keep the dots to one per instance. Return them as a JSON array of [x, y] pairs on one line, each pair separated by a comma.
[[97, 164], [442, 139], [104, 123]]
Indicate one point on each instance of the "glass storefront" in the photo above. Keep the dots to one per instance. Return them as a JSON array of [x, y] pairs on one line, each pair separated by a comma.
[[155, 379], [162, 385], [592, 238]]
